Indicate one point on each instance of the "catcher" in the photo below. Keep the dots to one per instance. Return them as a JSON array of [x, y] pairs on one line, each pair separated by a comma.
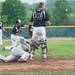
[[37, 28]]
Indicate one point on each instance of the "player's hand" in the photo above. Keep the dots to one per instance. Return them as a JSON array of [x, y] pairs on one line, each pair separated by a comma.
[[48, 23]]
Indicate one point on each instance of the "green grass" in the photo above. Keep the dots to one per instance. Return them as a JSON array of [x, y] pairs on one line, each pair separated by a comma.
[[3, 51], [55, 48], [60, 48], [40, 73]]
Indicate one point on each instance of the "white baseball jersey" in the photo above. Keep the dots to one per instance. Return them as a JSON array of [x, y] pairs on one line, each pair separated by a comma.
[[17, 53], [1, 37], [14, 40]]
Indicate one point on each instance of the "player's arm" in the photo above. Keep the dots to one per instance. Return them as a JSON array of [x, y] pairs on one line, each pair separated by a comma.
[[33, 47], [24, 41], [48, 23], [30, 25], [28, 42]]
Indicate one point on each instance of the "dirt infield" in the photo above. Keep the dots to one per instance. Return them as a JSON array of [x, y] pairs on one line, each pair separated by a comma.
[[50, 64]]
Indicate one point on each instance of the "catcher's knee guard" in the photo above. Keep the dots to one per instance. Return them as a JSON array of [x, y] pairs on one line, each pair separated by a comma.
[[35, 44], [24, 57], [44, 48]]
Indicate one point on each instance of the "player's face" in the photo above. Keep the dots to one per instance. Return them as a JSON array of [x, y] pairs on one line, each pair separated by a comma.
[[41, 7], [17, 33], [19, 25]]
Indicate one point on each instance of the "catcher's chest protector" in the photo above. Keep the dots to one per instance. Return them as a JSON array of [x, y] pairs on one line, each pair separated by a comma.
[[39, 15]]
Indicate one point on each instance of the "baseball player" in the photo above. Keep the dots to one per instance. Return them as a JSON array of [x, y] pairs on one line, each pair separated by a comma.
[[18, 53], [1, 28], [15, 33], [38, 31]]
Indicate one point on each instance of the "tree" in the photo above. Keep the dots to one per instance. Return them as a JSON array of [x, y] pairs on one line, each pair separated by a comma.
[[50, 10], [14, 10], [0, 10], [62, 9]]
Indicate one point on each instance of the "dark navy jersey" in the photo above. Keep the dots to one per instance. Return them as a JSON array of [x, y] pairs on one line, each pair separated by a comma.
[[39, 17], [15, 30]]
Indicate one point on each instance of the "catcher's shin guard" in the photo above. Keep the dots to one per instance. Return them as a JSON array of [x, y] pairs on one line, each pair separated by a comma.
[[32, 55], [44, 49], [34, 46]]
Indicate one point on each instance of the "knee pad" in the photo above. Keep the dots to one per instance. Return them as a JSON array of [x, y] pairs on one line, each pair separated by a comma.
[[43, 44], [24, 57], [44, 48], [35, 44]]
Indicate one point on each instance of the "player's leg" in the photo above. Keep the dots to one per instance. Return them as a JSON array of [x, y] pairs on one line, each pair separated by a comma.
[[24, 57], [2, 58], [44, 49], [28, 48], [34, 46], [33, 43], [20, 53], [43, 43], [11, 58], [8, 58], [32, 54]]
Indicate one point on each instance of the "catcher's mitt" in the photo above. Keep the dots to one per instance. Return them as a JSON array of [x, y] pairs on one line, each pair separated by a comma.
[[30, 30]]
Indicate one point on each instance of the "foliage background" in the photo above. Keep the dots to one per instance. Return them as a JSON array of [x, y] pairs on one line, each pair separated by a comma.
[[61, 12]]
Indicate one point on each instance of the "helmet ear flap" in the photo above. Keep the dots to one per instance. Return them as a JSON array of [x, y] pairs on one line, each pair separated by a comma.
[[18, 21]]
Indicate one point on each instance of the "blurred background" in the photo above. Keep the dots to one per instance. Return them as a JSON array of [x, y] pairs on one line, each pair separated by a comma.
[[61, 13]]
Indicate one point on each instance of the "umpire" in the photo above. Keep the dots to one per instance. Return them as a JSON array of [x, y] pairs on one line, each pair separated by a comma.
[[37, 24]]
